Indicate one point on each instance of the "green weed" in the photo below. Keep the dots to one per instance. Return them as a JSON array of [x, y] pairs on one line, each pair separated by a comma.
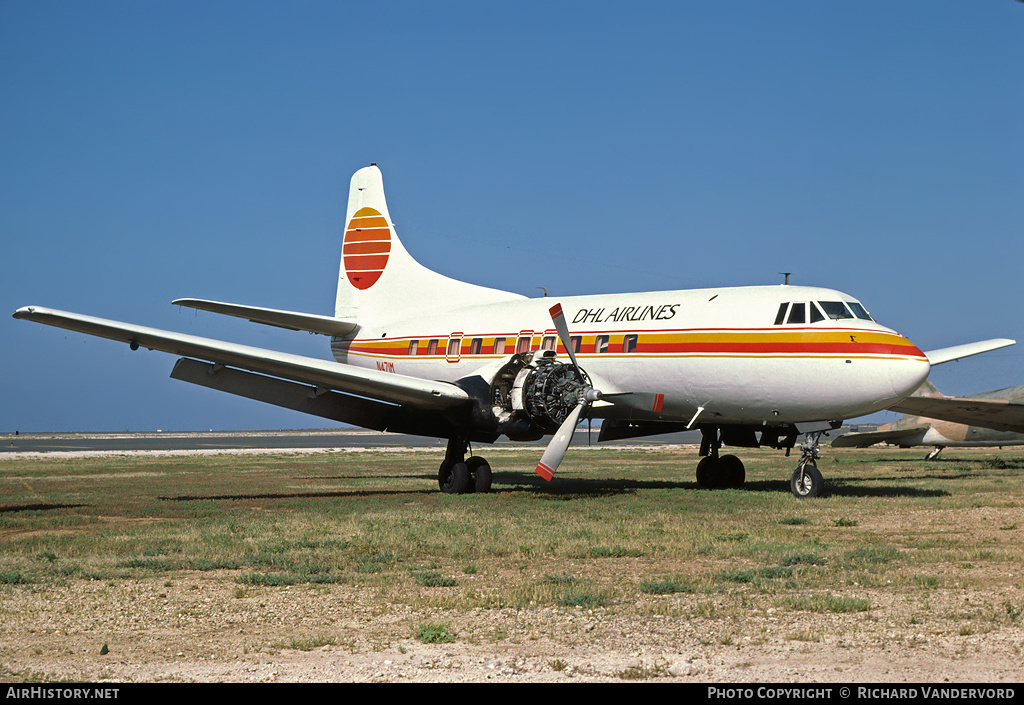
[[828, 603], [664, 587], [432, 578], [434, 633]]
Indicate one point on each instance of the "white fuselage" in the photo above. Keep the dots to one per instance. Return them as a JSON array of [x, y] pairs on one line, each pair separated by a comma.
[[720, 351]]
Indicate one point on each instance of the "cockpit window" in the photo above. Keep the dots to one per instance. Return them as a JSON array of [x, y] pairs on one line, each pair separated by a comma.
[[816, 314], [797, 314], [781, 315], [814, 311], [836, 310], [859, 311]]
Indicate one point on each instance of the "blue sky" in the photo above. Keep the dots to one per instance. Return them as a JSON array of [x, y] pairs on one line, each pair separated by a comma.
[[157, 150]]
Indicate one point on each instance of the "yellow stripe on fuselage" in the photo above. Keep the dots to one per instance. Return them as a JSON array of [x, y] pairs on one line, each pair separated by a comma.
[[805, 342]]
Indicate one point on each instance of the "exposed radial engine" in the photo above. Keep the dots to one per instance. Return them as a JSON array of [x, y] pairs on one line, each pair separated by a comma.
[[533, 394]]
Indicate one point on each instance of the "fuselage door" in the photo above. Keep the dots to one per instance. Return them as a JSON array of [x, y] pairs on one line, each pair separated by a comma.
[[454, 347]]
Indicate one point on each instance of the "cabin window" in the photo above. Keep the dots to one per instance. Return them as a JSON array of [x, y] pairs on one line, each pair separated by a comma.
[[414, 347], [836, 310], [548, 343], [432, 347], [629, 343], [453, 347], [475, 345], [601, 344], [797, 314], [576, 342], [523, 345], [499, 346], [781, 315]]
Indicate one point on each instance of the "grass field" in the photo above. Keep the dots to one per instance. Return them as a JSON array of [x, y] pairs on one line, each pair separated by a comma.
[[935, 544]]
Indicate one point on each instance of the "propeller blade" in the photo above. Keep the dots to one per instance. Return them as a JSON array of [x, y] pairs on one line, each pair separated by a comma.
[[559, 443], [563, 333]]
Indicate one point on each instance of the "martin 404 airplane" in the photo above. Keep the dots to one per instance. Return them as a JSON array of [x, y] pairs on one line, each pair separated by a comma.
[[417, 352]]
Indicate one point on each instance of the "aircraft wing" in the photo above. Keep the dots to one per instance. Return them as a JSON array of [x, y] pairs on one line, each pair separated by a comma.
[[323, 374], [997, 414], [909, 435], [937, 357], [325, 325]]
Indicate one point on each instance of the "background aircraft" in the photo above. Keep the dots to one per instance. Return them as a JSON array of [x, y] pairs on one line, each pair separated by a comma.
[[418, 352], [933, 419]]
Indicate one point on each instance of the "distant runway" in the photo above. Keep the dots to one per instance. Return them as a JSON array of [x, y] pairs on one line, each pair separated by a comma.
[[234, 440]]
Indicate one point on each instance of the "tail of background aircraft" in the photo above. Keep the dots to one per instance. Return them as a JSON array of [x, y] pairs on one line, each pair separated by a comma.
[[379, 279], [927, 389]]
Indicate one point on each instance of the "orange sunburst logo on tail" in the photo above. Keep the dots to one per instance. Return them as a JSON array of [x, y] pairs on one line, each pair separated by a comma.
[[366, 247]]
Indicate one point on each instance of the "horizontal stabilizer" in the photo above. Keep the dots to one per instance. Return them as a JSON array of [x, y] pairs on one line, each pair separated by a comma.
[[311, 322], [937, 357]]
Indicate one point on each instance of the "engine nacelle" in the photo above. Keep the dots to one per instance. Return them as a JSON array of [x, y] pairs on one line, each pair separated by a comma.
[[533, 394]]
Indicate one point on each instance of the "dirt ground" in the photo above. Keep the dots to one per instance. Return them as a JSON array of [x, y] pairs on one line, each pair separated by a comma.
[[199, 628]]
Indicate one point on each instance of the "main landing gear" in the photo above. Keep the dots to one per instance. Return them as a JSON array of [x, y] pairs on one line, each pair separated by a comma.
[[721, 472], [716, 471], [459, 475]]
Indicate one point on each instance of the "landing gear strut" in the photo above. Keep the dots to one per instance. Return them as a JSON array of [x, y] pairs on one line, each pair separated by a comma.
[[807, 480], [457, 475]]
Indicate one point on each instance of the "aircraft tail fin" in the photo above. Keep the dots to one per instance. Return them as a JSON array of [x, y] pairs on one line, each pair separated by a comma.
[[379, 279], [927, 389]]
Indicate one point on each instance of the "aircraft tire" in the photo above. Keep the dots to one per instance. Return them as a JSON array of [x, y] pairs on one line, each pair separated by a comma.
[[479, 475], [812, 485], [731, 472], [726, 471], [453, 478], [706, 472]]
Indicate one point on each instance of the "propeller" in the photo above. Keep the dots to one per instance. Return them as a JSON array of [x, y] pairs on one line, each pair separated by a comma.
[[559, 443], [563, 334]]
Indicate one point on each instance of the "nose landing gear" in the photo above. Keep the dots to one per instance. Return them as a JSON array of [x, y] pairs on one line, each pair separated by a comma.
[[807, 480]]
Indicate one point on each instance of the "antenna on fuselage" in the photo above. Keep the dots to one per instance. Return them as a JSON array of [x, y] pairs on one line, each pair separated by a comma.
[[785, 274]]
